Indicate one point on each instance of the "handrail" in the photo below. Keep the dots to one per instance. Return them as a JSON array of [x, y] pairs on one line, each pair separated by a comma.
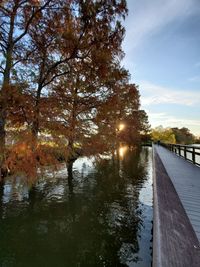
[[184, 151]]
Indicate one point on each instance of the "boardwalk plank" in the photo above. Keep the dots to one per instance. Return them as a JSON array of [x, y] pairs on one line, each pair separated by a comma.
[[174, 240], [186, 179], [194, 213]]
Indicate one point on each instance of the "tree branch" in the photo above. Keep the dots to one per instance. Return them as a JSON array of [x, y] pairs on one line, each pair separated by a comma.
[[25, 58], [3, 28], [34, 13], [24, 114], [3, 49], [4, 10], [73, 54], [2, 69], [55, 76]]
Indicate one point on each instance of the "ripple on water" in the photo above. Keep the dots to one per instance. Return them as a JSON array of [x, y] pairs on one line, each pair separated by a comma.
[[101, 218]]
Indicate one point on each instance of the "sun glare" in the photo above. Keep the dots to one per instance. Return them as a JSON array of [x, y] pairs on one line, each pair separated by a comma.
[[121, 126]]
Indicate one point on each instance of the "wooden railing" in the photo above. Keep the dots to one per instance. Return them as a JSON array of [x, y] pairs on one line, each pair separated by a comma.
[[190, 153]]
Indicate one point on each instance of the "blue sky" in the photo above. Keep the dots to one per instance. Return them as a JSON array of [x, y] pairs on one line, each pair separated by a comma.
[[162, 47]]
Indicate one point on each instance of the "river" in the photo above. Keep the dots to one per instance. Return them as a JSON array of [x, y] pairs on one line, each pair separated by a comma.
[[102, 218]]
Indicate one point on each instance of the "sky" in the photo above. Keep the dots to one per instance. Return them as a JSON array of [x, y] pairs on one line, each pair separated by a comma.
[[162, 47]]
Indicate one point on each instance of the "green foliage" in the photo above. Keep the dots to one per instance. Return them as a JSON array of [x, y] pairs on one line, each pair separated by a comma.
[[183, 136], [197, 140], [164, 135]]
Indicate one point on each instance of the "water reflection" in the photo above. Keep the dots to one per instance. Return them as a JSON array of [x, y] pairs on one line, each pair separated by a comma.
[[122, 151], [99, 218]]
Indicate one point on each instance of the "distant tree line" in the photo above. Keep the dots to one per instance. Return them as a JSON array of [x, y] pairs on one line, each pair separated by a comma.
[[174, 135], [63, 92]]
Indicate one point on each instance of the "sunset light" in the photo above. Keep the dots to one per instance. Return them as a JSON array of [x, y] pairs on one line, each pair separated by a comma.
[[121, 126]]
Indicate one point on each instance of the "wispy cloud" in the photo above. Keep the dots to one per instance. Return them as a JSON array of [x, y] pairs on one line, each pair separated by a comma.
[[168, 19], [164, 117], [171, 121], [152, 94], [150, 17]]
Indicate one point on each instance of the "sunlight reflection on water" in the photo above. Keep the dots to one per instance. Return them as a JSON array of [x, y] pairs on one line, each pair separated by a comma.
[[103, 218], [122, 151]]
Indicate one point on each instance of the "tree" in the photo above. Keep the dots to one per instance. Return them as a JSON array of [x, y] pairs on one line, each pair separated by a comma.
[[183, 136], [145, 134], [15, 19], [197, 140], [164, 135], [120, 119], [59, 37], [69, 93], [80, 97]]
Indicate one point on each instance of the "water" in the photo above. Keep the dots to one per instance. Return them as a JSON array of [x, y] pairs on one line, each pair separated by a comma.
[[189, 155], [102, 218]]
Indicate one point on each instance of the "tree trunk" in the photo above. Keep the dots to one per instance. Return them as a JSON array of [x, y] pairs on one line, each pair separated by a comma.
[[70, 170], [70, 147], [32, 196], [5, 92], [2, 143], [34, 132], [36, 119], [3, 109]]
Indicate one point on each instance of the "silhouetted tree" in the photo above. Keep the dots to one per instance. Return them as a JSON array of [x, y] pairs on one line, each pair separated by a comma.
[[183, 136]]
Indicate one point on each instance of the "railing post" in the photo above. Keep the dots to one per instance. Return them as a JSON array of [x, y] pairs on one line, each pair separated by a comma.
[[193, 155], [185, 154], [187, 150]]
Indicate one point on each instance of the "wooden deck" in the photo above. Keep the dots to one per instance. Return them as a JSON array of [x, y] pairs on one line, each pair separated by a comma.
[[186, 179], [176, 232]]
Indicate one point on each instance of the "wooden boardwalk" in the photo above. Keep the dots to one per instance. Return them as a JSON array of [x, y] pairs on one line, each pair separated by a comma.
[[186, 179], [176, 232]]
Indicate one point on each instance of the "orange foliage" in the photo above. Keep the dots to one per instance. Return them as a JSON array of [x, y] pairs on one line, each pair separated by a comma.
[[22, 158], [69, 88]]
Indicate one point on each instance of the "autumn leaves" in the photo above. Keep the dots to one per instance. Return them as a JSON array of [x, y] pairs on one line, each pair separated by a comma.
[[62, 85]]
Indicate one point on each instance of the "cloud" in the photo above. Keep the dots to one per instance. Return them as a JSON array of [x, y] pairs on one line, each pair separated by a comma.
[[166, 120], [149, 17], [152, 94]]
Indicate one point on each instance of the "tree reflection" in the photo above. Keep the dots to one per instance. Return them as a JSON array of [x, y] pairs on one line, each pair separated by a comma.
[[2, 183], [70, 182], [97, 222]]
